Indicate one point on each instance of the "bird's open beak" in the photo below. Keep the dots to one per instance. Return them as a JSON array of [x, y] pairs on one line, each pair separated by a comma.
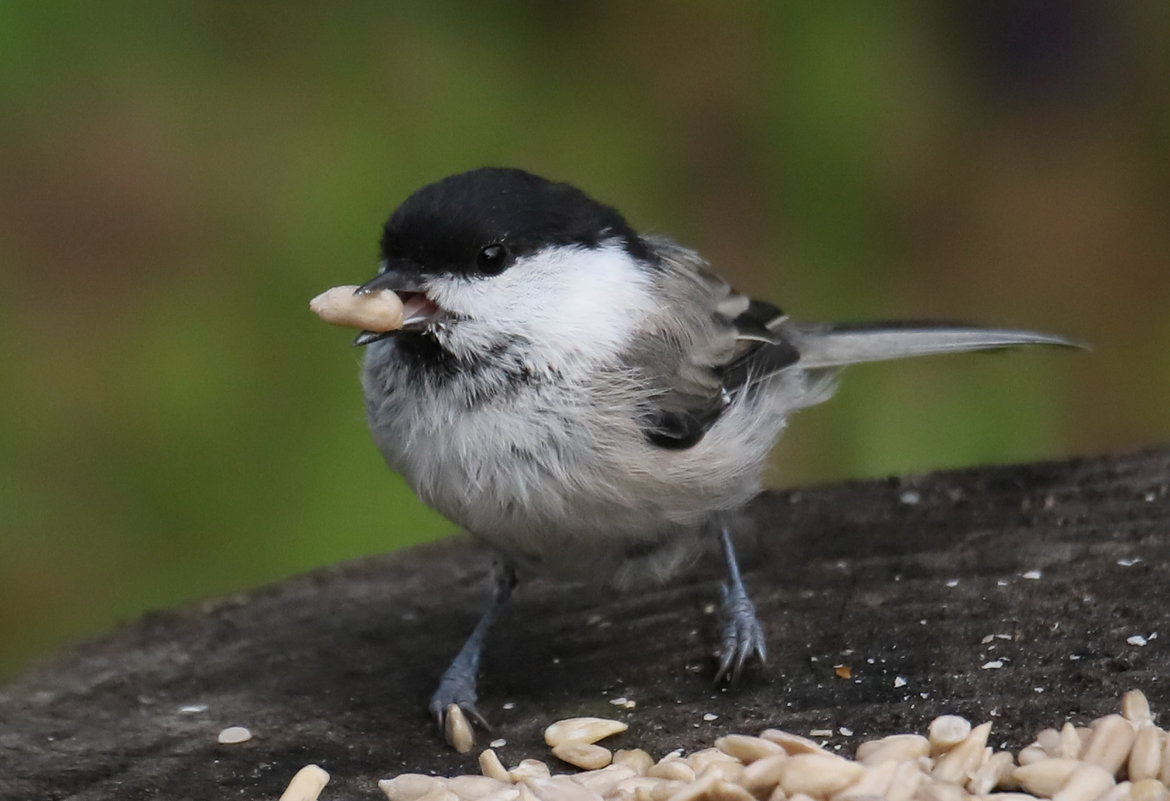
[[418, 309]]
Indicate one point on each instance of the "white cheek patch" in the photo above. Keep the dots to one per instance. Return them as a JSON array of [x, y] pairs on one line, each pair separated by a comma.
[[565, 300]]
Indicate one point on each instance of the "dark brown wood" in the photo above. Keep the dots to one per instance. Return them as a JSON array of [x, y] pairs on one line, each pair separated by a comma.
[[919, 585]]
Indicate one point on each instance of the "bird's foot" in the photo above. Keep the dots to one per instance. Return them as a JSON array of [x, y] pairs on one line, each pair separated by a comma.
[[743, 635], [454, 701], [453, 707]]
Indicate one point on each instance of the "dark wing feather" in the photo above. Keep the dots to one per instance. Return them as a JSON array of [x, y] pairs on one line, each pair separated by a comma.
[[763, 349], [678, 430]]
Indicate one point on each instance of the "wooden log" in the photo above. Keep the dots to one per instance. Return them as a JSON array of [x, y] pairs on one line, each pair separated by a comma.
[[1021, 595]]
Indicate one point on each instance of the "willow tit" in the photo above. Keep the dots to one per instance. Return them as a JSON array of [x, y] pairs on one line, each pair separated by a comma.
[[590, 402]]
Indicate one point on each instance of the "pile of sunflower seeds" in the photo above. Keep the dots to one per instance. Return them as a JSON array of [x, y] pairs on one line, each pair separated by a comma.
[[1116, 758]]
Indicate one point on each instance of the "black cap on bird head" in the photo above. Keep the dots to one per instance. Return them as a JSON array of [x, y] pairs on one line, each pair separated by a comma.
[[479, 222]]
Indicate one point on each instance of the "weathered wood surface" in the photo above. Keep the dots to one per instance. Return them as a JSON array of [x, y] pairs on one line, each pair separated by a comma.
[[903, 580]]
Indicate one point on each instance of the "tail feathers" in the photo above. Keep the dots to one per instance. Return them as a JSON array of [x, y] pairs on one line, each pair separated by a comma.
[[838, 345]]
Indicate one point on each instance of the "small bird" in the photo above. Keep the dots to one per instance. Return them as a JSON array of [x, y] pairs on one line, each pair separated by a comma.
[[592, 403]]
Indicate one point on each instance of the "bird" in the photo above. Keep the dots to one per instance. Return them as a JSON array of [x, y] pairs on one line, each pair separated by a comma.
[[590, 402]]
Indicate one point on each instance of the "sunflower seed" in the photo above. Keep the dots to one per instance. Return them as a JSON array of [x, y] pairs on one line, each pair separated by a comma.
[[583, 755], [306, 784], [946, 732], [818, 775], [634, 758], [792, 743], [957, 764], [1045, 777], [1087, 782], [1136, 708], [582, 730], [1145, 758], [491, 766], [1109, 744], [457, 729], [895, 748], [529, 769]]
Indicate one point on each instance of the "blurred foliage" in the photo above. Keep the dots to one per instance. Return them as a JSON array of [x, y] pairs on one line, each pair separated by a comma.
[[177, 179]]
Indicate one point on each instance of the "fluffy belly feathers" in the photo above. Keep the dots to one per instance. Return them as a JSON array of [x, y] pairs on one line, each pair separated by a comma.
[[571, 495]]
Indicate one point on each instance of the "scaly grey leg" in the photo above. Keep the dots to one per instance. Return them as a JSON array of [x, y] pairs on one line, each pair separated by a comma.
[[742, 633], [458, 683]]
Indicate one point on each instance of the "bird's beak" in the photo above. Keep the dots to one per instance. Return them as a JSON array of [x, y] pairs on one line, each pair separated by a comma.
[[418, 309], [393, 279]]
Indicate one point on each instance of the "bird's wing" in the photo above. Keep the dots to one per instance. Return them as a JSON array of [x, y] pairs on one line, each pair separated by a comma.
[[708, 344], [713, 343]]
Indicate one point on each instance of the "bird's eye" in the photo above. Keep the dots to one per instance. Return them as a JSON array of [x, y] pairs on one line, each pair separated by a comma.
[[492, 259]]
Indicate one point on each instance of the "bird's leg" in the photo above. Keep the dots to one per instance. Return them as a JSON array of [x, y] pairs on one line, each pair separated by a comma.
[[458, 683], [742, 633]]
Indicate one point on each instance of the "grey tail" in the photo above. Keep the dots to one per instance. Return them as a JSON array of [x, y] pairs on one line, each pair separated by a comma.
[[840, 345]]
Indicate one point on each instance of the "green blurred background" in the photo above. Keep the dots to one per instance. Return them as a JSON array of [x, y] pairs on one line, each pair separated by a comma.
[[177, 179]]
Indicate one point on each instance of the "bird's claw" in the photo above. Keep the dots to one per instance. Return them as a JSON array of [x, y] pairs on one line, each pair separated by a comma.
[[742, 636], [441, 711], [453, 707]]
